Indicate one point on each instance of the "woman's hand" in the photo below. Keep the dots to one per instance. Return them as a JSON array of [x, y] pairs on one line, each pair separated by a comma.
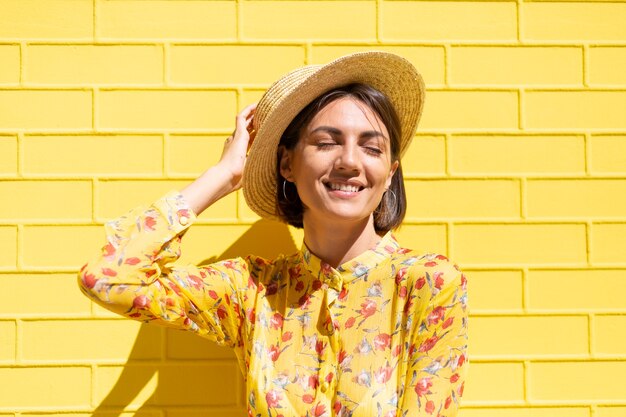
[[236, 146]]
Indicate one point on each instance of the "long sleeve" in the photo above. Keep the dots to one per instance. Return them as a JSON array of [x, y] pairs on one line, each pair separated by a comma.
[[437, 355], [134, 275]]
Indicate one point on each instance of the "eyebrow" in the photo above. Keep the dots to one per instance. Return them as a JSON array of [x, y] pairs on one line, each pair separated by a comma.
[[335, 131]]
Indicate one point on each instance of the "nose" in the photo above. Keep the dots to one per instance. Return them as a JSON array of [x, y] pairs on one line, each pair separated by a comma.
[[348, 157]]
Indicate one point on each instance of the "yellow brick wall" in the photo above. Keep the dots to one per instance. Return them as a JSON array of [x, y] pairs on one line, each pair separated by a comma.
[[518, 173]]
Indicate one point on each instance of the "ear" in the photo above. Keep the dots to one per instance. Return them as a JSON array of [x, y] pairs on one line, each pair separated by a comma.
[[284, 156], [394, 167]]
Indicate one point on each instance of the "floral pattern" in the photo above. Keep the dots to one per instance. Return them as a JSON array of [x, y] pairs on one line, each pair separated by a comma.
[[384, 334]]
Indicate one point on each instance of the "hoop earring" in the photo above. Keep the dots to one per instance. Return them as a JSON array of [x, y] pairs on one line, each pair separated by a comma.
[[382, 202], [285, 193], [395, 199]]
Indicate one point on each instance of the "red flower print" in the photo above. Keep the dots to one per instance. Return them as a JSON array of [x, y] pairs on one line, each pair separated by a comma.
[[350, 322], [429, 343], [89, 280], [448, 402], [149, 222], [441, 257], [454, 378], [251, 315], [447, 323], [382, 341], [314, 381], [286, 336], [319, 347], [430, 263], [422, 386], [141, 301], [294, 272], [108, 251], [383, 374], [368, 308], [272, 288], [430, 406], [396, 350], [436, 315], [337, 407], [438, 276], [299, 286], [461, 360], [400, 275], [195, 281], [273, 398], [109, 272], [319, 410], [229, 264], [273, 352], [213, 295], [461, 388], [304, 301], [276, 321], [326, 268], [343, 294], [420, 282], [317, 284], [222, 312], [307, 399], [169, 302], [132, 261], [402, 292]]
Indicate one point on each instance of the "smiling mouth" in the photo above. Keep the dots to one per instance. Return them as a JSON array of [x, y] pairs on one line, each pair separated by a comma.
[[343, 187]]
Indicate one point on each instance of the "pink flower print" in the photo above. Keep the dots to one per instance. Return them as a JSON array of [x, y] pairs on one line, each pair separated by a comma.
[[308, 399], [286, 336], [108, 251], [89, 280], [132, 261], [420, 283], [319, 410], [313, 381], [194, 281], [438, 277], [382, 341], [430, 263], [273, 398], [109, 272], [149, 222], [326, 268], [447, 323], [350, 322], [396, 351], [363, 378], [273, 352], [383, 374], [430, 406], [276, 321], [436, 315], [400, 275], [141, 302], [368, 308], [429, 343], [402, 292], [423, 385], [320, 346], [344, 360]]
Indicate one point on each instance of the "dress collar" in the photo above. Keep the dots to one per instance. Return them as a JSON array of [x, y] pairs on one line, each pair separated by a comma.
[[354, 269]]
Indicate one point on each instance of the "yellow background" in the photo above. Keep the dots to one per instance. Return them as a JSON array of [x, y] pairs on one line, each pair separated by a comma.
[[518, 173]]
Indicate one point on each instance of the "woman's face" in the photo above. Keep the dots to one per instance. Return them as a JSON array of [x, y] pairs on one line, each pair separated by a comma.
[[341, 164]]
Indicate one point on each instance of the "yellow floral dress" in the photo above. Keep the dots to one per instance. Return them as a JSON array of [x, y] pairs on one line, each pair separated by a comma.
[[384, 334]]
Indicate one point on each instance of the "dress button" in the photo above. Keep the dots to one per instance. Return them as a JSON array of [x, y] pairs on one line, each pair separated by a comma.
[[324, 386], [184, 220]]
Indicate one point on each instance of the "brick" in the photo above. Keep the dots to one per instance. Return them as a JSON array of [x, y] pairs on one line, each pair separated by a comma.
[[94, 64], [578, 382], [8, 246], [610, 411], [573, 21], [118, 197], [143, 19], [61, 246], [119, 340], [495, 290], [49, 386], [576, 198], [608, 154], [608, 334], [166, 109], [7, 340], [582, 290], [10, 58], [429, 60], [605, 64], [531, 244], [529, 336], [45, 109], [423, 238], [27, 198], [494, 382], [309, 20], [470, 110], [8, 155], [574, 109], [93, 155], [608, 241], [186, 345], [426, 155], [206, 389], [230, 64], [249, 96], [442, 20], [518, 65], [55, 295], [47, 19], [561, 411], [463, 198], [193, 154], [516, 154], [143, 378], [243, 211]]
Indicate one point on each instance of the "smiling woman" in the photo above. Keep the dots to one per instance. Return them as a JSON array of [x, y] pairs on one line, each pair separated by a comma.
[[352, 324]]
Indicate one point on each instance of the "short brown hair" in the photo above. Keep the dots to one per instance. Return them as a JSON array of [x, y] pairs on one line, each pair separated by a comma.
[[392, 208]]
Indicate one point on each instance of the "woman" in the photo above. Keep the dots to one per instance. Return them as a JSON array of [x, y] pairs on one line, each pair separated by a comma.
[[352, 324]]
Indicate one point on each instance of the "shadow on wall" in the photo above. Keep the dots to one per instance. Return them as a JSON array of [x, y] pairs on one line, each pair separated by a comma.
[[186, 375]]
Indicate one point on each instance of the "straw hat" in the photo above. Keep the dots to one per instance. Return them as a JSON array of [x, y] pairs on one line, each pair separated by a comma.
[[389, 73]]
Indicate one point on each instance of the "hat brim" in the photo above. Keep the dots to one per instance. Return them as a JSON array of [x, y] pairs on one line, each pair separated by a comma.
[[389, 73]]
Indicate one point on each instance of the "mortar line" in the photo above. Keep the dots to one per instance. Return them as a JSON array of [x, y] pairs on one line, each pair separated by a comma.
[[165, 145], [94, 20], [585, 65], [166, 68], [591, 335]]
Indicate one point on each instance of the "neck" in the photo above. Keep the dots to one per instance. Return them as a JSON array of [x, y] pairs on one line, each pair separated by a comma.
[[338, 242]]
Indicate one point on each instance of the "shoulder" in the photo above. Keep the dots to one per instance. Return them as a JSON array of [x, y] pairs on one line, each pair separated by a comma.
[[270, 274]]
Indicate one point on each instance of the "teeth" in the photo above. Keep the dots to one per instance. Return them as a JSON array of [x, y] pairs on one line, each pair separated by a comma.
[[344, 187]]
